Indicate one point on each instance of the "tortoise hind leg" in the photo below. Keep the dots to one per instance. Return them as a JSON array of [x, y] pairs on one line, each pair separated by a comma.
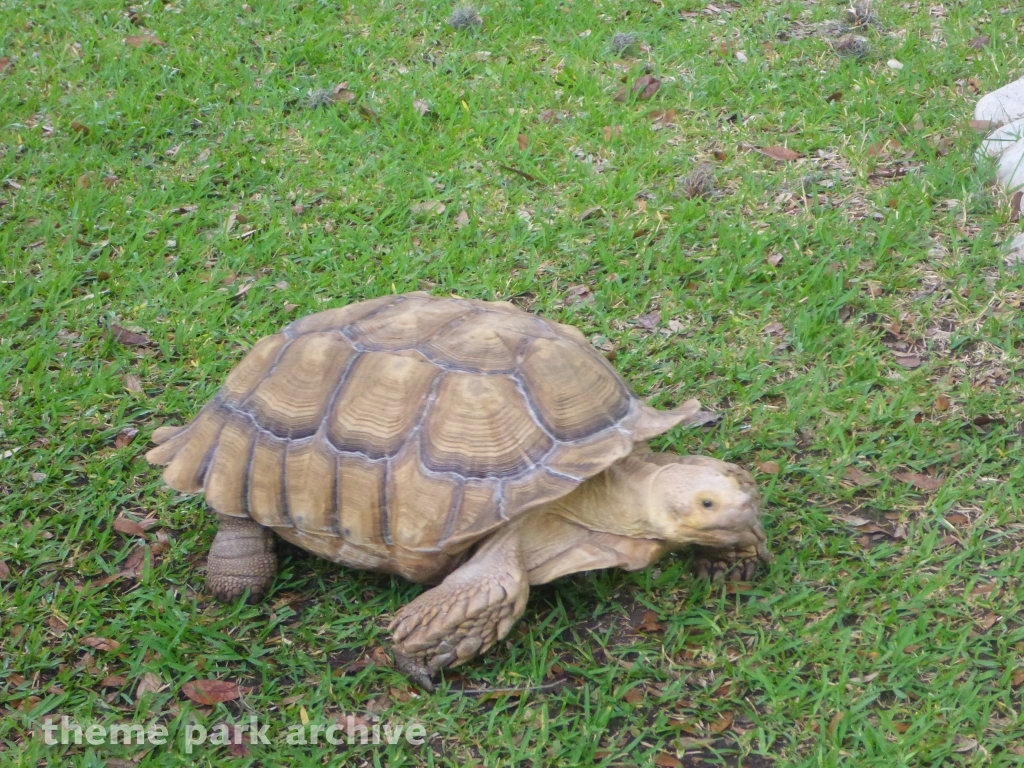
[[242, 557], [467, 613]]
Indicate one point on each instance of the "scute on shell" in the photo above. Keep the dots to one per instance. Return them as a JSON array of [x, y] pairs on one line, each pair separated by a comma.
[[378, 433]]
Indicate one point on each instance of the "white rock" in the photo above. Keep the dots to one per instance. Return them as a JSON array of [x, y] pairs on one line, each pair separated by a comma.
[[1003, 105], [894, 64], [1010, 172], [1001, 139], [1015, 254]]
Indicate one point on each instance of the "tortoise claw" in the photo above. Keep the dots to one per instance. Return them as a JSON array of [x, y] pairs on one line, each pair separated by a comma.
[[415, 671]]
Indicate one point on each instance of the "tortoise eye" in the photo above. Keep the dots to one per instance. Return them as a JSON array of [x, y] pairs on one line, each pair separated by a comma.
[[708, 503]]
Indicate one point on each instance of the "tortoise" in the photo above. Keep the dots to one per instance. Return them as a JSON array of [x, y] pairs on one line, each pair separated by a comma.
[[462, 443]]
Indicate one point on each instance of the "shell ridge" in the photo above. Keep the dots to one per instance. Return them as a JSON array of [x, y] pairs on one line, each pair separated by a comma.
[[333, 399], [385, 512], [268, 374], [453, 513], [285, 512]]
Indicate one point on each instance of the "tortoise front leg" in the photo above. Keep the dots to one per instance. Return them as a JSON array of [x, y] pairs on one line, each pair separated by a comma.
[[242, 557], [467, 613]]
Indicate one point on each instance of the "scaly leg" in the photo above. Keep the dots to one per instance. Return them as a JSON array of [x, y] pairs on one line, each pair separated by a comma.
[[242, 557], [467, 613]]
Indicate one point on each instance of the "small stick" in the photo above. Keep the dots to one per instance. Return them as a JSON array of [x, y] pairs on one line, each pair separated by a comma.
[[481, 691]]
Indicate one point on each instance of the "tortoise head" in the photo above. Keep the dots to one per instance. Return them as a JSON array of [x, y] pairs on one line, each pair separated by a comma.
[[711, 503]]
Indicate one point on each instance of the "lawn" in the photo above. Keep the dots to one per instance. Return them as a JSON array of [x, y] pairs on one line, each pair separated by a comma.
[[180, 178]]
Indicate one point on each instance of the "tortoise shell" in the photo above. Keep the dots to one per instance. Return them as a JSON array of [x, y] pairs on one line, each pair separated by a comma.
[[391, 432]]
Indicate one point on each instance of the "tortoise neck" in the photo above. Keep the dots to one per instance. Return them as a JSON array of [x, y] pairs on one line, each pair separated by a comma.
[[615, 501]]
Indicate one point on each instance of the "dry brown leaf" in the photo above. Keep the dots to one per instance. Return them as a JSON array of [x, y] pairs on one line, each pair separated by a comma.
[[125, 437], [910, 362], [774, 258], [646, 86], [113, 681], [900, 727], [769, 467], [942, 403], [591, 213], [149, 683], [633, 696], [924, 482], [774, 328], [984, 126], [5, 571], [649, 623], [101, 643], [1018, 678], [859, 477], [835, 96], [665, 760], [210, 692], [462, 219], [421, 107], [523, 141], [550, 116], [134, 562], [130, 527], [137, 41], [5, 64], [129, 338], [834, 723], [133, 384], [236, 743], [989, 621], [979, 42], [621, 95], [662, 117], [723, 723], [81, 128], [782, 154]]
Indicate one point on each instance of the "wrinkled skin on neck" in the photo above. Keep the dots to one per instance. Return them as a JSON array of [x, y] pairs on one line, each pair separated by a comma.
[[672, 499]]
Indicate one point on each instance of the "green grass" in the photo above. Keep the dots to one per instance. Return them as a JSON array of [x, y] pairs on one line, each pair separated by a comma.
[[877, 646]]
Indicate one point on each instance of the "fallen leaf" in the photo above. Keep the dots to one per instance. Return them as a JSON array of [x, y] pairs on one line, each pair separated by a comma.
[[924, 482], [149, 683], [662, 117], [130, 527], [942, 402], [649, 321], [289, 307], [989, 621], [774, 258], [129, 338], [703, 419], [591, 213], [621, 95], [83, 181], [1018, 678], [646, 86], [665, 760], [5, 571], [723, 723], [101, 643], [80, 128], [462, 219], [550, 116], [649, 623], [578, 294], [113, 681], [909, 362], [523, 141], [859, 477], [133, 384], [979, 42], [984, 126], [769, 467], [610, 131], [429, 207], [137, 41], [421, 107], [774, 328], [1015, 203], [133, 563], [834, 723], [125, 437], [5, 64], [210, 692], [634, 696], [782, 154], [368, 113], [835, 96]]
